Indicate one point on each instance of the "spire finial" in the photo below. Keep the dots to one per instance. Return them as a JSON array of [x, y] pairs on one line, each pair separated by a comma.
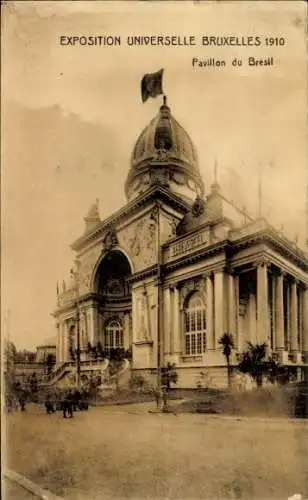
[[165, 100]]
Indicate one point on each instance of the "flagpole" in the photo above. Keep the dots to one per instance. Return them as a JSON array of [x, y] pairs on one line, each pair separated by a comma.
[[78, 367]]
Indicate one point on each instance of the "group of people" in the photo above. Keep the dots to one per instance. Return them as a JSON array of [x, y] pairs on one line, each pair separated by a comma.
[[16, 396], [67, 401]]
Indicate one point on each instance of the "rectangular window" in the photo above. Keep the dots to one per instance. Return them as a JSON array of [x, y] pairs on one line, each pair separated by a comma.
[[204, 320], [199, 343], [187, 322], [193, 322], [187, 344], [204, 341], [199, 320], [193, 343]]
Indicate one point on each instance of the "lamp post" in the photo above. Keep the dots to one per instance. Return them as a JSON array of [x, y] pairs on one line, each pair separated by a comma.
[[159, 299]]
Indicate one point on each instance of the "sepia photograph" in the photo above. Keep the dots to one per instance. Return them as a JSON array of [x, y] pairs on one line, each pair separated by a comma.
[[154, 299]]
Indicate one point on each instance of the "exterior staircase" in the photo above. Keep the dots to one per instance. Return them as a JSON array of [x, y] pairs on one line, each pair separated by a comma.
[[115, 381], [63, 373]]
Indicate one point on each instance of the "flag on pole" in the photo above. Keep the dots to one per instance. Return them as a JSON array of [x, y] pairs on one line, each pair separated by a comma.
[[152, 85]]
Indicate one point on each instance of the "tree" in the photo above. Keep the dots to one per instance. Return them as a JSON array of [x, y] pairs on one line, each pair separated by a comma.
[[169, 375], [25, 356], [9, 371], [10, 354], [227, 344], [253, 362]]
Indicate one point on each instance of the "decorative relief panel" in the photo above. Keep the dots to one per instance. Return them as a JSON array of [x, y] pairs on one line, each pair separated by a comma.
[[139, 240]]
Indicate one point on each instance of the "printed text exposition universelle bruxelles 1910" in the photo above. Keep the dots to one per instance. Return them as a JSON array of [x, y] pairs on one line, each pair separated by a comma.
[[109, 40]]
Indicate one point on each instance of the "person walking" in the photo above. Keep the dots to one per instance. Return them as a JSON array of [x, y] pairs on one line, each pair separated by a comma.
[[70, 403], [49, 404], [22, 400], [64, 404]]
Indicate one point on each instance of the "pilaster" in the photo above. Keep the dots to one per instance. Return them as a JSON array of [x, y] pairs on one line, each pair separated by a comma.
[[209, 311], [177, 333], [167, 320], [219, 309]]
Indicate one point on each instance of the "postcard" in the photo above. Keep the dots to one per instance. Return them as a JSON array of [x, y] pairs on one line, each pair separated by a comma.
[[154, 263]]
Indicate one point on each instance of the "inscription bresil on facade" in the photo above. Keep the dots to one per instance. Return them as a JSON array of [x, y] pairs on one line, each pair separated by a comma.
[[188, 244]]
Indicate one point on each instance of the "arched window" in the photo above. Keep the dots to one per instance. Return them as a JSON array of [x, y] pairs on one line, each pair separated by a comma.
[[195, 325], [114, 335]]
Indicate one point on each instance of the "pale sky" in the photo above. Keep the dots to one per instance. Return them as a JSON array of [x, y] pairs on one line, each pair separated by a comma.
[[71, 116]]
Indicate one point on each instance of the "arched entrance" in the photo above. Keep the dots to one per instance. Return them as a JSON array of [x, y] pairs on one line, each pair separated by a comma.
[[113, 291]]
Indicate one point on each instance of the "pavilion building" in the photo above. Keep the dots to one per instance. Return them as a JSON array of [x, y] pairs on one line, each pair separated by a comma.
[[174, 269]]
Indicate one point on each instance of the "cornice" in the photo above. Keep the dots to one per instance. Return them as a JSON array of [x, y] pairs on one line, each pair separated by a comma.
[[265, 236], [146, 273]]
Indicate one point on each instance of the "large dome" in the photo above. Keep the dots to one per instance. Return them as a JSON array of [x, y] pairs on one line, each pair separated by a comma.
[[164, 154]]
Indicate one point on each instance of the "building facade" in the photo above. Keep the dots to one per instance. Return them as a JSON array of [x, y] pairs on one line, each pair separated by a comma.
[[175, 268]]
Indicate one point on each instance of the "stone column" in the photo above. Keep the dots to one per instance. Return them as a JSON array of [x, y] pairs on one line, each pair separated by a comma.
[[231, 305], [238, 339], [293, 329], [126, 327], [209, 312], [91, 325], [177, 333], [262, 303], [86, 338], [167, 317], [171, 318], [219, 309], [251, 319], [272, 325], [279, 315], [305, 323]]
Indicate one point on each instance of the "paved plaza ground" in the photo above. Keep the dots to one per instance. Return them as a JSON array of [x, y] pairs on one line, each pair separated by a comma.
[[127, 452]]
